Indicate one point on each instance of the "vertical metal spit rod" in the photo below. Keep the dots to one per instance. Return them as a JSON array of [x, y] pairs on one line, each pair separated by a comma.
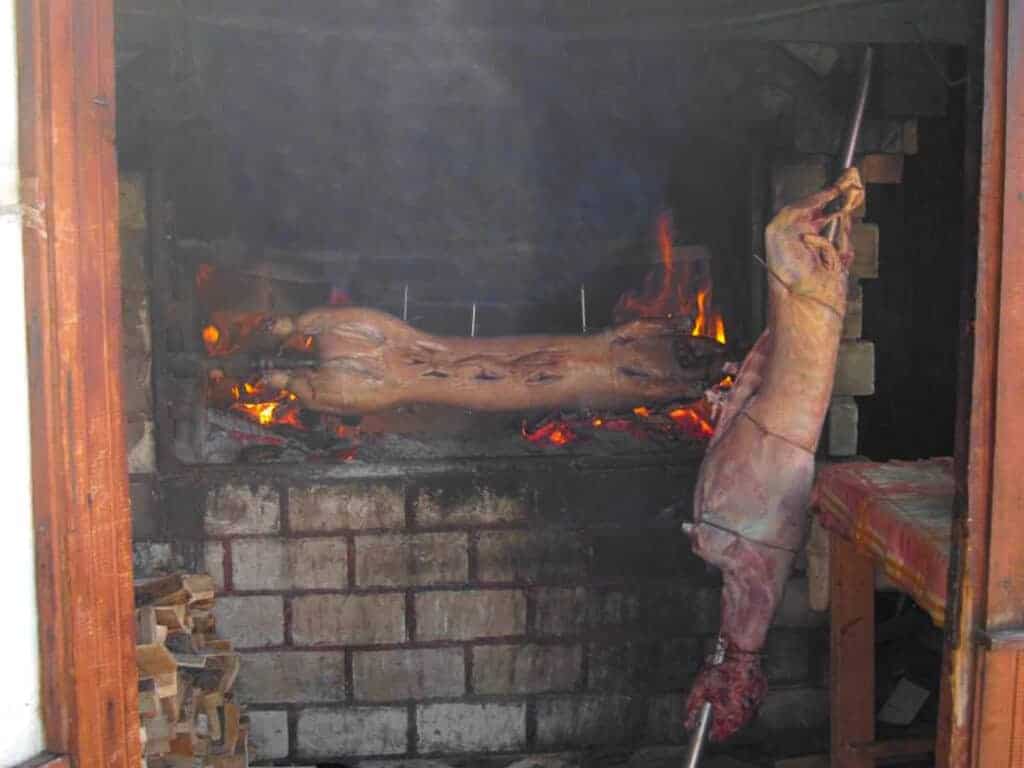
[[472, 322], [856, 121], [700, 733], [405, 304]]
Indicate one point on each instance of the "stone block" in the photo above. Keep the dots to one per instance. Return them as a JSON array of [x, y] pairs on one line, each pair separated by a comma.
[[881, 169], [618, 667], [795, 608], [213, 562], [459, 727], [532, 556], [499, 669], [665, 719], [155, 558], [612, 499], [821, 133], [334, 733], [646, 555], [140, 437], [131, 201], [855, 371], [908, 83], [291, 677], [797, 708], [561, 611], [268, 735], [608, 608], [842, 427], [820, 58], [465, 501], [679, 609], [147, 519], [233, 510], [792, 182], [402, 674], [350, 506], [631, 665], [676, 663], [582, 720], [250, 622], [279, 564], [853, 321], [910, 137], [788, 656], [348, 619], [401, 560], [865, 250], [469, 615]]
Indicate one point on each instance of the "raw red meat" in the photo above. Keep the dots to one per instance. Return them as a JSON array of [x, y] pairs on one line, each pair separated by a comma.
[[754, 485]]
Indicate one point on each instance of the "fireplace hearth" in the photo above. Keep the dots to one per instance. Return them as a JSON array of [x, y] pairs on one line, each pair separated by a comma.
[[475, 582]]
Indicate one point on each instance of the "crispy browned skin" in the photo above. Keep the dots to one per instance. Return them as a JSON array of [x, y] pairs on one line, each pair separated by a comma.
[[370, 361], [754, 484]]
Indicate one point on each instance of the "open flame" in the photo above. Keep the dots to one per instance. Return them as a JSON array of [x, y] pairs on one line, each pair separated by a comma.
[[680, 291], [708, 322], [268, 408]]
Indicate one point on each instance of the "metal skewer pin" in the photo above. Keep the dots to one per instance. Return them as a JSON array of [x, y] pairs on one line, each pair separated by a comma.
[[472, 322], [405, 304], [583, 308]]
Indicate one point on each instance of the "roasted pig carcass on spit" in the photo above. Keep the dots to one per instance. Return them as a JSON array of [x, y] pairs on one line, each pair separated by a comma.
[[753, 489]]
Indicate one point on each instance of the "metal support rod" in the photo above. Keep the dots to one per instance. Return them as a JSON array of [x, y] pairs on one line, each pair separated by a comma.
[[583, 308], [472, 322], [700, 733], [405, 304], [856, 121]]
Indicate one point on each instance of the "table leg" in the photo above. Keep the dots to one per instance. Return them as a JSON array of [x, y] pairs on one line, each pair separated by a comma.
[[852, 647]]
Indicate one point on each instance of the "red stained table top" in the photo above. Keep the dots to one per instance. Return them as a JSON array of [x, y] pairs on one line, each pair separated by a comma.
[[899, 513]]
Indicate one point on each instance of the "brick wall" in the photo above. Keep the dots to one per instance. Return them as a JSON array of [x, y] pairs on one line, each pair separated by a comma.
[[511, 610]]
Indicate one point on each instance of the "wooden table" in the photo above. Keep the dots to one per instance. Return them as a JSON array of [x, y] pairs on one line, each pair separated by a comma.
[[895, 516]]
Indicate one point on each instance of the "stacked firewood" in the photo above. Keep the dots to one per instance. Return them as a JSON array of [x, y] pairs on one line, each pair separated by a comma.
[[189, 717]]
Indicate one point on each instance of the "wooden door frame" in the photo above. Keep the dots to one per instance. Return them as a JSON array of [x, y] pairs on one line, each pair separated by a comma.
[[73, 304], [985, 676]]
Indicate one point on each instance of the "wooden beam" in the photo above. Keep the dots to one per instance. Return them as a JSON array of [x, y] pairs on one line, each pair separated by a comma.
[[79, 483], [822, 21], [999, 714]]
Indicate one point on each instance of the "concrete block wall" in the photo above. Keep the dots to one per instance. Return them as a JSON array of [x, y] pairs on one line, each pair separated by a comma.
[[518, 609]]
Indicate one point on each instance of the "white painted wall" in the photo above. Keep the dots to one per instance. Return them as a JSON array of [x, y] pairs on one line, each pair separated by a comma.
[[21, 732]]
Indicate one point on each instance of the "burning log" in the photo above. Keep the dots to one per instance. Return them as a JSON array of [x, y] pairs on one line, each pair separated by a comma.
[[370, 361]]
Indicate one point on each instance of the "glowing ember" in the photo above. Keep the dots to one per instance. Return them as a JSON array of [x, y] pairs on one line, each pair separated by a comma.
[[227, 332], [555, 432], [211, 335], [691, 422], [642, 411]]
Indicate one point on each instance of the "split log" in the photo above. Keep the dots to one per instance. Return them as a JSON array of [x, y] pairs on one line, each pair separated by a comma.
[[186, 673], [371, 361]]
